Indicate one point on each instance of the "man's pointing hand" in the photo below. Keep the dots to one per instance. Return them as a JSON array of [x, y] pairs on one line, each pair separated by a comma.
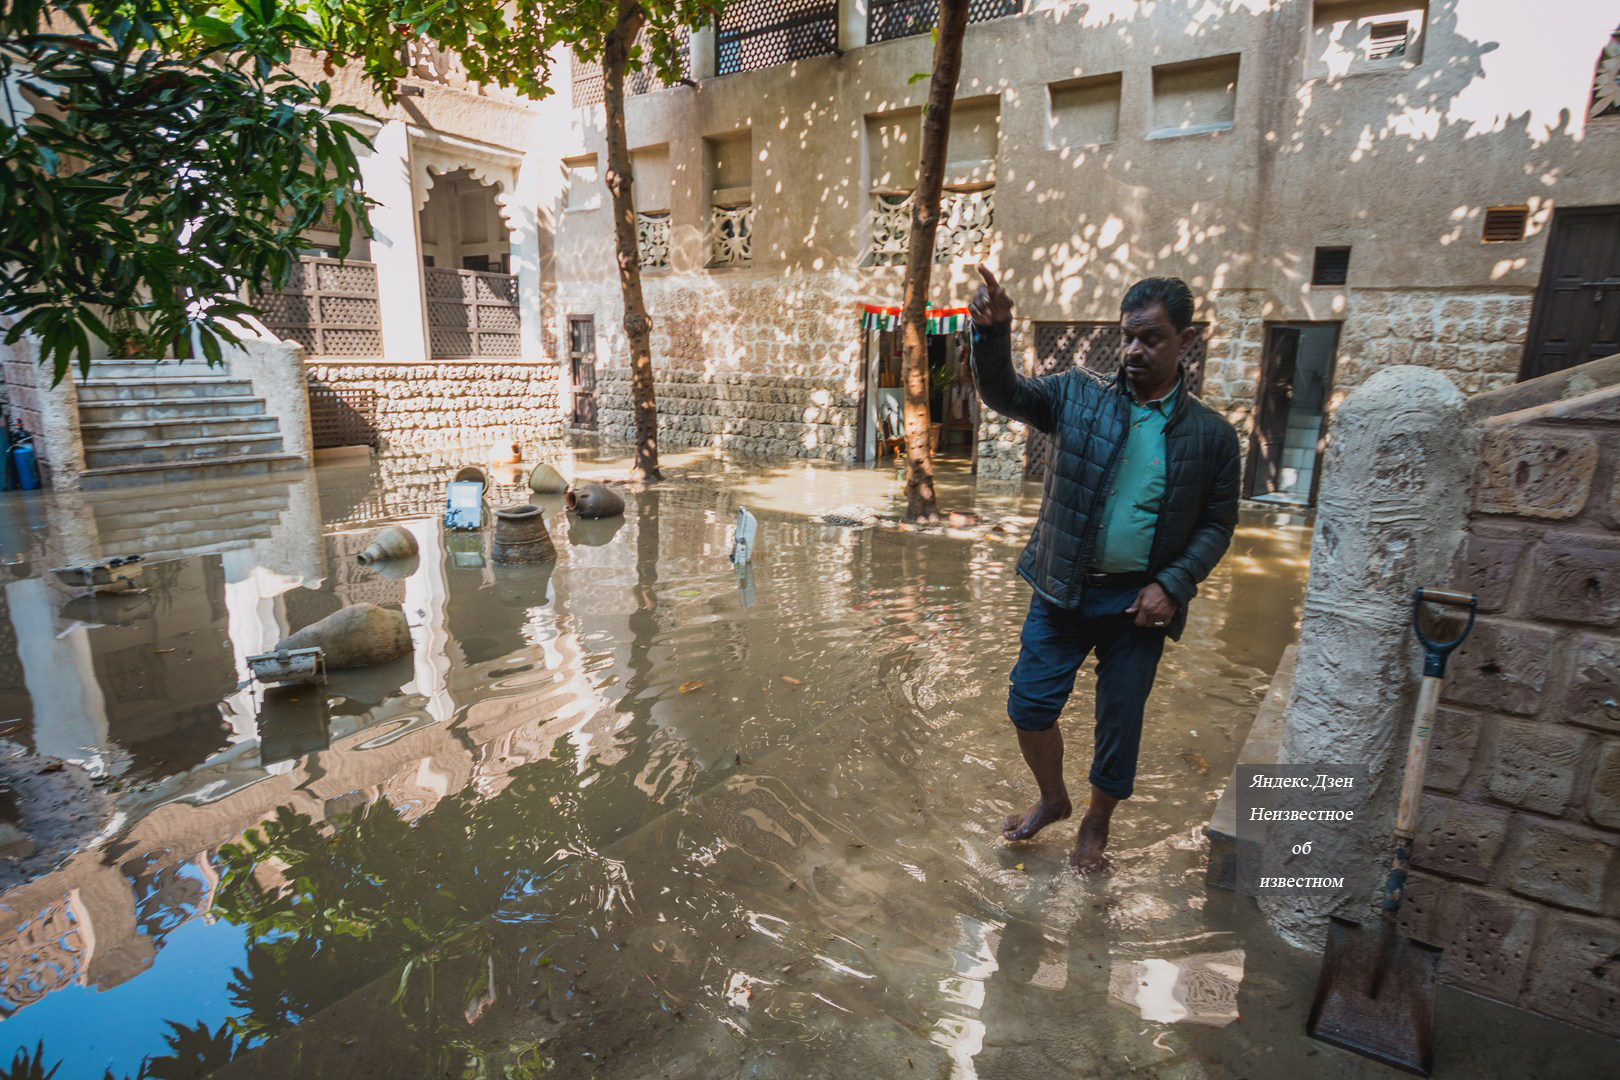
[[989, 304]]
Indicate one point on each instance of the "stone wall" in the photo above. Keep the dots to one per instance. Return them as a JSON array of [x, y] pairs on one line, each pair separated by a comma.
[[1518, 851], [778, 416], [452, 403], [49, 413]]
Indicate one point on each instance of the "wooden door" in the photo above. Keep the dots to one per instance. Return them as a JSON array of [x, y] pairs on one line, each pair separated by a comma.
[[1577, 312], [1271, 411], [582, 369]]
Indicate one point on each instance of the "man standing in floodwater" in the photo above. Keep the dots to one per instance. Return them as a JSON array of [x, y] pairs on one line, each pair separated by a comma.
[[1140, 502]]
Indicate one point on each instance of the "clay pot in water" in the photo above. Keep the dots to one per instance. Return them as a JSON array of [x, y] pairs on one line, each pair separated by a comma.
[[355, 636], [586, 533], [473, 473], [521, 536], [545, 480], [595, 501], [505, 451], [389, 544]]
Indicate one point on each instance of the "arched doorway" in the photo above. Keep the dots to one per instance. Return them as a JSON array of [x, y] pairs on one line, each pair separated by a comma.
[[472, 296]]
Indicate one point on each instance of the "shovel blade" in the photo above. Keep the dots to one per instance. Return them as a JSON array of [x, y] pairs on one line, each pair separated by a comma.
[[1375, 996]]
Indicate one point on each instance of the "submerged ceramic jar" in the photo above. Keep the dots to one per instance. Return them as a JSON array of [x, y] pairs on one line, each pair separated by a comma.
[[521, 537], [595, 501]]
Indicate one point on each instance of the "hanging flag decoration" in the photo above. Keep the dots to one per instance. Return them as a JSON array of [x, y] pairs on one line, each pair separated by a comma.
[[940, 320]]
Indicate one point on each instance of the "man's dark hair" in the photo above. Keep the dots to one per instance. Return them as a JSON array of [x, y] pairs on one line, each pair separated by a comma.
[[1169, 292]]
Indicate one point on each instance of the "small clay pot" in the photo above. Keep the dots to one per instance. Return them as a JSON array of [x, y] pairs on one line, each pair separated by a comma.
[[472, 472], [389, 544], [545, 480], [595, 501], [521, 537]]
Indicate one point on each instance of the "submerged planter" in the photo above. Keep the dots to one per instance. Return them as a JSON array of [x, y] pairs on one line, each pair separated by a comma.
[[521, 537], [356, 636], [389, 544], [595, 501], [545, 480]]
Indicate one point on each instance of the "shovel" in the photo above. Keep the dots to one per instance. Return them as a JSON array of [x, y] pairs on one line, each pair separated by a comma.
[[1375, 994]]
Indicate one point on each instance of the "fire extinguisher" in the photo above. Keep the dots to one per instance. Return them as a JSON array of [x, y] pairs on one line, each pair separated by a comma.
[[22, 457]]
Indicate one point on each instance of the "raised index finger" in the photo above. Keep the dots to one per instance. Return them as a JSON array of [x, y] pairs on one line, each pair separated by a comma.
[[989, 278]]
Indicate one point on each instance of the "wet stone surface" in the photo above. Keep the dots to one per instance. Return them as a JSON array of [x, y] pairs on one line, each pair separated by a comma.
[[630, 814]]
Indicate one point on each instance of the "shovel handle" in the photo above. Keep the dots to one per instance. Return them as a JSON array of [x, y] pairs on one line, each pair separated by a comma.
[[1436, 653]]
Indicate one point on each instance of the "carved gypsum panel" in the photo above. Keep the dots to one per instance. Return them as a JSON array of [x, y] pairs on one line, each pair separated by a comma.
[[753, 34], [890, 19]]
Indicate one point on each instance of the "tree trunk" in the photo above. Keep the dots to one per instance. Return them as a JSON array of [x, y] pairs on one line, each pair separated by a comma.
[[936, 132], [637, 324]]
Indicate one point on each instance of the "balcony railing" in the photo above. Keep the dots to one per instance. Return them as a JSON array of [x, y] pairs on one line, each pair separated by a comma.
[[754, 34], [731, 235], [328, 306], [652, 240], [965, 221], [890, 19], [472, 314]]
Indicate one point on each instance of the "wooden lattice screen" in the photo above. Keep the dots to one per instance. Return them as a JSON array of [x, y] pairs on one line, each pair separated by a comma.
[[1097, 345], [754, 34], [471, 313], [328, 306], [342, 416], [890, 19], [587, 80]]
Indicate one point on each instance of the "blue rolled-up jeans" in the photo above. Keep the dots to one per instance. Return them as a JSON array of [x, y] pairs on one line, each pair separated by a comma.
[[1054, 643]]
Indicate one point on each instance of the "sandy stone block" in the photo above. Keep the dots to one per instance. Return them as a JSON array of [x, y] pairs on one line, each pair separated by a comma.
[[1560, 865], [1603, 804], [1488, 939], [1457, 309], [1451, 749], [1573, 582], [1533, 766], [1488, 565], [1534, 474], [1501, 666], [1459, 839], [1576, 973]]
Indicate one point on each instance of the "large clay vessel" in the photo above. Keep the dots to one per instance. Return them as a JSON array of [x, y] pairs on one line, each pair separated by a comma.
[[471, 473], [521, 536], [389, 544], [595, 501], [545, 480], [355, 636]]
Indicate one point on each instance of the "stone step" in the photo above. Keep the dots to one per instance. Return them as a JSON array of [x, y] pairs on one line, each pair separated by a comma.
[[170, 408], [137, 369], [124, 432], [203, 449], [170, 472], [96, 391], [141, 525], [273, 492]]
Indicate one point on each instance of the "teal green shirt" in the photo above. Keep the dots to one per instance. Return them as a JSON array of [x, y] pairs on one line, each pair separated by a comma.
[[1130, 510]]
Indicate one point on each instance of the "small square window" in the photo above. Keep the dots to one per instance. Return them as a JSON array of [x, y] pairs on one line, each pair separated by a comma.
[[1332, 266], [1505, 224]]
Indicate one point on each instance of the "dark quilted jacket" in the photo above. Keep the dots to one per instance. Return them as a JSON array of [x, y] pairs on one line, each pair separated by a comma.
[[1088, 418]]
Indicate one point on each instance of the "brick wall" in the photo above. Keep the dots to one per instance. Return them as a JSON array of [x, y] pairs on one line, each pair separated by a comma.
[[1518, 848], [451, 403]]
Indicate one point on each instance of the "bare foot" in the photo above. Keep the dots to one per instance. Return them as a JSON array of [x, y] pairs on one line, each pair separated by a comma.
[[1016, 828], [1090, 854]]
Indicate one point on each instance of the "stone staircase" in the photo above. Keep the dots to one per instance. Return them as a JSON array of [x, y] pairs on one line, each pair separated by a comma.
[[146, 422]]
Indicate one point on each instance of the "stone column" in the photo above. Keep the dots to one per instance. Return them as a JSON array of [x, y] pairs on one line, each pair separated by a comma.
[[387, 176], [523, 216], [851, 24], [1391, 516]]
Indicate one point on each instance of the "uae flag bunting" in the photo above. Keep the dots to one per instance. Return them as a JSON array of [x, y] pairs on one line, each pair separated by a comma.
[[940, 320]]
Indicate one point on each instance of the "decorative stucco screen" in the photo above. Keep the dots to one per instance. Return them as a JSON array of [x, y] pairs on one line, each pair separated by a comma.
[[585, 77], [754, 34], [329, 307], [890, 19], [471, 314]]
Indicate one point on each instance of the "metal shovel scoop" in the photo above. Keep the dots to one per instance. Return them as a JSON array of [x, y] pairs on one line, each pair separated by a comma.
[[1375, 994]]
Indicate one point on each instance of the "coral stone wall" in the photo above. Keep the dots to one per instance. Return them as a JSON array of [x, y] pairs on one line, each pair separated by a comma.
[[741, 364], [1518, 849], [452, 403]]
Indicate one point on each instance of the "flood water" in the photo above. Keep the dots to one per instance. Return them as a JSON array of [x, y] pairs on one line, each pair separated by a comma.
[[629, 815]]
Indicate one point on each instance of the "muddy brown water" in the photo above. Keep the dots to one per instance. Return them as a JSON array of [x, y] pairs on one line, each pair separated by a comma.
[[630, 815]]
